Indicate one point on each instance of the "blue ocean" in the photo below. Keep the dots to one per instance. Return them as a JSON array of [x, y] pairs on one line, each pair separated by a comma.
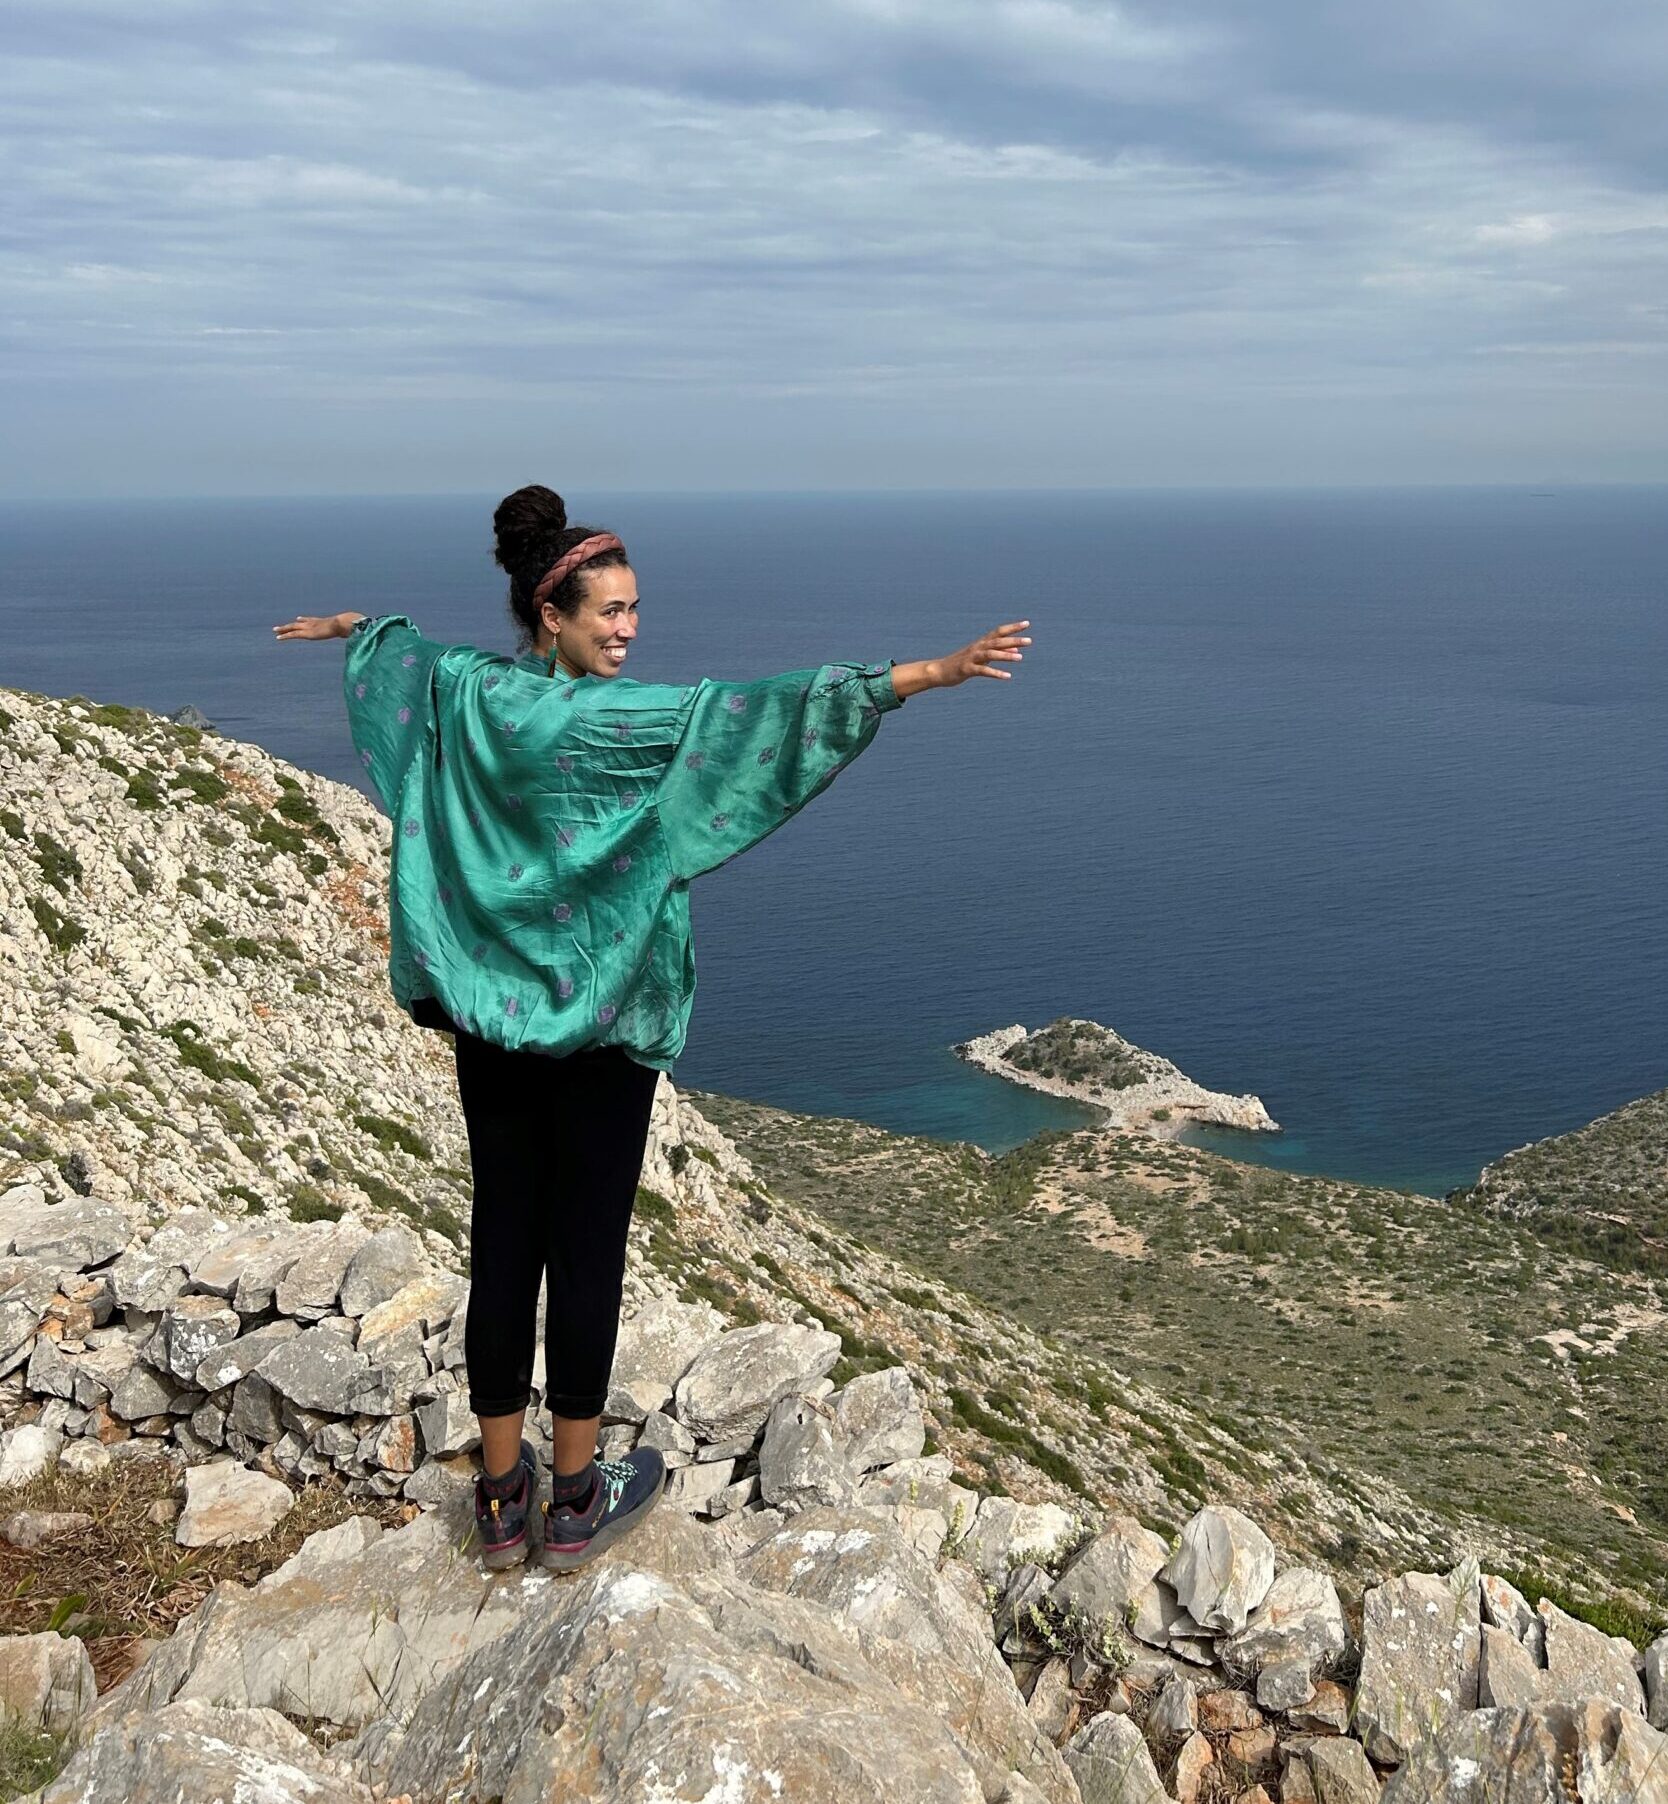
[[1354, 800]]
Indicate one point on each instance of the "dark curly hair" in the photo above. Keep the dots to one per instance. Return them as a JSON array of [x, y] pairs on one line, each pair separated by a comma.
[[532, 532]]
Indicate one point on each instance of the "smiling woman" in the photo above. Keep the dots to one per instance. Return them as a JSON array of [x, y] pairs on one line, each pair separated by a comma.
[[550, 817]]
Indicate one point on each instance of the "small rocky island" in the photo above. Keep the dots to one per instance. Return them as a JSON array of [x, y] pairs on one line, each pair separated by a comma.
[[1092, 1064]]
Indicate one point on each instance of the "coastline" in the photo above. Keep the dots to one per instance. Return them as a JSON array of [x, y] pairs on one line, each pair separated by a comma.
[[1163, 1103]]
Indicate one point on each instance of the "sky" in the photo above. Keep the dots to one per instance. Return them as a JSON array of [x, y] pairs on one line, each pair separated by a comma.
[[687, 244]]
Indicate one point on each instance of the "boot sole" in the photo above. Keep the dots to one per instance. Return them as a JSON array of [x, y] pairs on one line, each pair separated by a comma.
[[603, 1538]]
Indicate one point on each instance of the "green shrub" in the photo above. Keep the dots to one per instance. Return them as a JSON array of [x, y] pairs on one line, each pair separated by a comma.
[[308, 1203], [390, 1134], [12, 822], [60, 930], [196, 1052]]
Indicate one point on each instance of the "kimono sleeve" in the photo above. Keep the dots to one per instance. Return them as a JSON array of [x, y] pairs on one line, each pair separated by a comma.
[[387, 683], [751, 755]]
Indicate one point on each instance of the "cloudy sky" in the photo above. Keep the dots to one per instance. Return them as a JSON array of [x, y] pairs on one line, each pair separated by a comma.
[[665, 244]]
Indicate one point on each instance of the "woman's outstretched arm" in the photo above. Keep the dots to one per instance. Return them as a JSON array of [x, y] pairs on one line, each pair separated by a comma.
[[999, 646]]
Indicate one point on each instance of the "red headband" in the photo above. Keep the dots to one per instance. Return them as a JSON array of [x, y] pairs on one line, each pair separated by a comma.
[[570, 561]]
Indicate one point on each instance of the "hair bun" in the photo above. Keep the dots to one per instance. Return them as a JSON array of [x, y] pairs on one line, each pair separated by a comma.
[[522, 520]]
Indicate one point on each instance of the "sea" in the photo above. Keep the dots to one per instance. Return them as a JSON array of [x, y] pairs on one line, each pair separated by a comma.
[[1354, 800]]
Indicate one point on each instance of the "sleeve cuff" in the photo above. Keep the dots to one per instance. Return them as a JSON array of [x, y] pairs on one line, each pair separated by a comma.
[[883, 692]]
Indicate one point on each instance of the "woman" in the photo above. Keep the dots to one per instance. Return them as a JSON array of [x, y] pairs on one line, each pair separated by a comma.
[[548, 820]]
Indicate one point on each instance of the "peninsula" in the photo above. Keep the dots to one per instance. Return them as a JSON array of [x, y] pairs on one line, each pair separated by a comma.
[[1091, 1063]]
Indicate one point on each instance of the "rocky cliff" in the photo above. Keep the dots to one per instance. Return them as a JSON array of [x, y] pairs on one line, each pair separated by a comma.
[[914, 1546]]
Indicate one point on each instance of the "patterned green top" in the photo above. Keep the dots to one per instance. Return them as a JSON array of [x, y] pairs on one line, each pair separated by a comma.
[[546, 831]]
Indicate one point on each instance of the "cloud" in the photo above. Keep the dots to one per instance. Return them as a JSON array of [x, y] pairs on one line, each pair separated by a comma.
[[1012, 236]]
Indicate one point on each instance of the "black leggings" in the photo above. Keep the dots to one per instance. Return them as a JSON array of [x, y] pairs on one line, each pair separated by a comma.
[[556, 1147]]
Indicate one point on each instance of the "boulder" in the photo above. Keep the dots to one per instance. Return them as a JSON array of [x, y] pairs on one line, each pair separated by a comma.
[[226, 1504], [1301, 1619], [638, 1674], [1340, 1772], [46, 1680], [656, 1344], [311, 1285], [1656, 1682], [139, 1279], [1004, 1532], [26, 1452], [232, 1361], [30, 1529], [1420, 1647], [877, 1416], [732, 1382], [1110, 1573], [318, 1369], [1611, 1755], [447, 1424], [1222, 1569], [1583, 1662], [385, 1263], [925, 1634], [193, 1750], [69, 1236], [1108, 1757], [802, 1457], [141, 1393], [668, 1437], [26, 1287], [192, 1327]]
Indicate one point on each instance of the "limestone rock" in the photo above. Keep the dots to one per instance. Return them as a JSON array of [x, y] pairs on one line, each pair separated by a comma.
[[72, 1235], [801, 1459], [1222, 1570], [447, 1424], [877, 1416], [1174, 1713], [30, 1529], [732, 1383], [1301, 1619], [226, 1364], [928, 1638], [668, 1437], [1420, 1645], [140, 1280], [192, 1327], [1108, 1758], [1522, 1756], [1656, 1681], [639, 1674], [656, 1345], [1103, 1578], [226, 1504], [1192, 1762], [318, 1370], [142, 1393], [1285, 1685], [693, 1487], [192, 1750], [1005, 1531], [310, 1287], [26, 1452], [1340, 1772], [389, 1260], [1583, 1662], [46, 1680]]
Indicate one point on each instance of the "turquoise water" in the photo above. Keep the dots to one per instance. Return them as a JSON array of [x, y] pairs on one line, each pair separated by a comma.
[[1352, 800]]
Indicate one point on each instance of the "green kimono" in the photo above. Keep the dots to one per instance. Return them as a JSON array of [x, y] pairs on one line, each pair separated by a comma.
[[546, 831]]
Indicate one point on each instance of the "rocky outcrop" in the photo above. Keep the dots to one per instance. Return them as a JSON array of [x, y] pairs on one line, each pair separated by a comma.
[[1092, 1064]]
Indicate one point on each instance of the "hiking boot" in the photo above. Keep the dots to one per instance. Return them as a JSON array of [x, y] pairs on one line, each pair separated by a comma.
[[508, 1526], [622, 1493]]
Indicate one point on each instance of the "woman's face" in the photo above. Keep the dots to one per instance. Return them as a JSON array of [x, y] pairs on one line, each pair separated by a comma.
[[594, 641]]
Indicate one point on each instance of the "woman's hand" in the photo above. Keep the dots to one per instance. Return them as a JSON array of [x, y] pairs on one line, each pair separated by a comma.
[[984, 657], [317, 626]]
